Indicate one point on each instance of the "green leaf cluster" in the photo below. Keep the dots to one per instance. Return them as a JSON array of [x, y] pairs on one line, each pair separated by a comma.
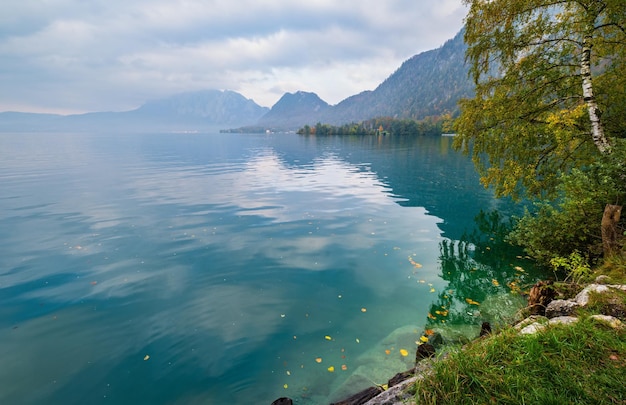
[[549, 115], [528, 123], [571, 222]]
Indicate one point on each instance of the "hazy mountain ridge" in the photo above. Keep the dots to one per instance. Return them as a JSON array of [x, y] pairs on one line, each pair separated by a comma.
[[428, 84], [201, 110]]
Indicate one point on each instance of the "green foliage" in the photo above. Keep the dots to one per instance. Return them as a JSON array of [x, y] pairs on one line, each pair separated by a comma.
[[576, 266], [578, 364], [572, 222], [529, 121], [381, 125]]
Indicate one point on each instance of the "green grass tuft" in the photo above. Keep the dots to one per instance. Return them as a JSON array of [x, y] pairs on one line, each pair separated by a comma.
[[583, 363]]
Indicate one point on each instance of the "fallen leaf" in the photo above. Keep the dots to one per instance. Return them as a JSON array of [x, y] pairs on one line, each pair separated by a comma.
[[387, 351], [288, 372], [432, 290], [328, 337], [94, 282], [404, 352], [331, 369], [431, 316], [344, 367], [423, 338], [146, 357], [429, 332], [358, 341], [363, 309], [285, 386], [318, 359], [495, 282]]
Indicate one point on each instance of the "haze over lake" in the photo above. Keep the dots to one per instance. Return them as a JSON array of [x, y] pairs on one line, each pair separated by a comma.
[[235, 268]]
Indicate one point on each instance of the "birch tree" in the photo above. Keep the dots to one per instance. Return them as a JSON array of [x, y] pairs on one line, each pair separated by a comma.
[[550, 95]]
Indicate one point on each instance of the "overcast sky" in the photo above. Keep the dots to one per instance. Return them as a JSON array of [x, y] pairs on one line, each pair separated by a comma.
[[74, 56]]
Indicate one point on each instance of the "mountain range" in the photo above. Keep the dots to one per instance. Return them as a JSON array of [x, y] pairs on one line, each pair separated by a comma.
[[428, 84]]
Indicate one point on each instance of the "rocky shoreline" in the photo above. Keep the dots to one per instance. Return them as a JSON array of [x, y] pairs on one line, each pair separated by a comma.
[[543, 309]]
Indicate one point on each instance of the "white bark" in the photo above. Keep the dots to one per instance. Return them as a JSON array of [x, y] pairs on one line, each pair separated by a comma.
[[597, 130]]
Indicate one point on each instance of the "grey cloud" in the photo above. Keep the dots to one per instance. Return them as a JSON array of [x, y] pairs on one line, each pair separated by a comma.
[[113, 55]]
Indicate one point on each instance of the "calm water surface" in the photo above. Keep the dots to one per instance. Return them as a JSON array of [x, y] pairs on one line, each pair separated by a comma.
[[222, 268]]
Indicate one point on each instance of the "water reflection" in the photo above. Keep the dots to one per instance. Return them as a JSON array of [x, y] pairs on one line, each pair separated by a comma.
[[228, 259]]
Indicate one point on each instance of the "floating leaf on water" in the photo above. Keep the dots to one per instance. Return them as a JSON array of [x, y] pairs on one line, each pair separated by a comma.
[[282, 315], [424, 338], [387, 351], [422, 281], [357, 340], [146, 357], [285, 386], [318, 359], [344, 367], [94, 283], [432, 290], [328, 337], [404, 352], [331, 369], [363, 309]]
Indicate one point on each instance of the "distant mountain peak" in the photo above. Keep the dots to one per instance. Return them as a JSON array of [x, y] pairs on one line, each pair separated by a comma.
[[294, 110]]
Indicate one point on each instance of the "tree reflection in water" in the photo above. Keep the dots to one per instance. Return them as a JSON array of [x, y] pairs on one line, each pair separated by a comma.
[[481, 265]]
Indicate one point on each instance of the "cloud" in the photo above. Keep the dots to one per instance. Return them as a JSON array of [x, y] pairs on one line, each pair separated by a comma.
[[114, 55]]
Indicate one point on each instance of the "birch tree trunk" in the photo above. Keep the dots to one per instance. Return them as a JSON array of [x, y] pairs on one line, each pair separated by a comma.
[[597, 130]]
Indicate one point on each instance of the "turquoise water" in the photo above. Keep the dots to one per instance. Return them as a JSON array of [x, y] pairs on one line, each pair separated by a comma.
[[226, 268]]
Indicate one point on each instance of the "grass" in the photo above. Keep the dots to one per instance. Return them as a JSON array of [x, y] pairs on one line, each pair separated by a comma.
[[584, 363]]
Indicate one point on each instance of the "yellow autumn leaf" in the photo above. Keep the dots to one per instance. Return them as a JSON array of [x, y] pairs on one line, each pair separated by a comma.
[[423, 338], [328, 337], [285, 386], [431, 316], [432, 290], [495, 282], [404, 352], [387, 351], [331, 369]]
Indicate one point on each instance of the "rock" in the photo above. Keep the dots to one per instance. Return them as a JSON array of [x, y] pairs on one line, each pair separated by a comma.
[[436, 339], [564, 320], [603, 279], [424, 351], [583, 297], [530, 320], [395, 395], [283, 401], [400, 377], [361, 397], [540, 296], [609, 320], [532, 328], [561, 308]]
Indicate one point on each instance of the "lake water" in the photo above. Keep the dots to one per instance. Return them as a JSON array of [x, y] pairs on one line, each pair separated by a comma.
[[227, 268]]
